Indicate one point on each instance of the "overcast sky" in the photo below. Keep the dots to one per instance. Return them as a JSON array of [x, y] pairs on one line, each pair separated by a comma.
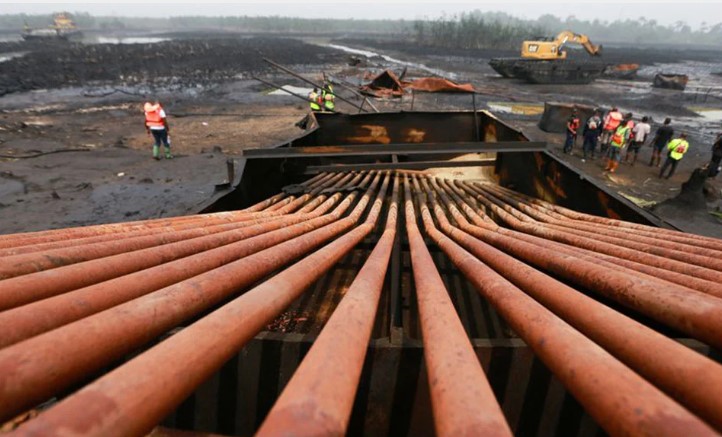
[[666, 12]]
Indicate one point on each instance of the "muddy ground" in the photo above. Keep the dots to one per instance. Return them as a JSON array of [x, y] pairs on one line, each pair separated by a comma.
[[89, 97]]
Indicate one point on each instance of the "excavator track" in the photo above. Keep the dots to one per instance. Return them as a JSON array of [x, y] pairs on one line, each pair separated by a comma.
[[548, 72]]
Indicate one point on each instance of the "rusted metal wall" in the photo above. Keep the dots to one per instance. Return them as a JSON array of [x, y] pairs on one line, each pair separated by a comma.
[[541, 175]]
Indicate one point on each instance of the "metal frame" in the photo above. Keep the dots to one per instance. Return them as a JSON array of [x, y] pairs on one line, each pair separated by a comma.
[[397, 149], [412, 165]]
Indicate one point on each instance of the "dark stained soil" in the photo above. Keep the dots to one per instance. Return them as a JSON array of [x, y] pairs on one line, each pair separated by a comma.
[[190, 62], [91, 97]]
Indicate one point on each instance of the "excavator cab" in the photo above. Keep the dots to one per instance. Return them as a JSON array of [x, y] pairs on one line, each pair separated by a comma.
[[553, 48]]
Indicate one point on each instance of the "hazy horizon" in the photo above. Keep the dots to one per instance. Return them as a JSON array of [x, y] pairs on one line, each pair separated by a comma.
[[692, 13]]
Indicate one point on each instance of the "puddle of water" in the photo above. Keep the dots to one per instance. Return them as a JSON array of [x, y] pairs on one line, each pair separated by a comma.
[[129, 40], [516, 108], [710, 115], [287, 90], [8, 56], [370, 54]]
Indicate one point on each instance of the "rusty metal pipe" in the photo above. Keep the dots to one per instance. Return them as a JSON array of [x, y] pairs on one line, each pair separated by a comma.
[[319, 397], [35, 318], [147, 390], [672, 235], [38, 367], [598, 246], [461, 398], [128, 231], [27, 238], [158, 225], [634, 407], [195, 228], [690, 311], [675, 250], [695, 283], [687, 376], [22, 264], [613, 263]]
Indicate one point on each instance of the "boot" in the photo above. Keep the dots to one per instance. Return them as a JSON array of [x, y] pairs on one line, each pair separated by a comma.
[[609, 165], [168, 155], [156, 152], [614, 166]]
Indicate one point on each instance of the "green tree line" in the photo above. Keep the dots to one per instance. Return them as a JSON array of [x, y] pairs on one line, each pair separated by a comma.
[[475, 29]]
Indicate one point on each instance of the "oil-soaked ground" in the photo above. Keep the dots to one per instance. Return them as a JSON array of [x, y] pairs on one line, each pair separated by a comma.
[[89, 96]]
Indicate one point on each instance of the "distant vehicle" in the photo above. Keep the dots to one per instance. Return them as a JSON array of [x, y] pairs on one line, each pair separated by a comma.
[[544, 60], [63, 29]]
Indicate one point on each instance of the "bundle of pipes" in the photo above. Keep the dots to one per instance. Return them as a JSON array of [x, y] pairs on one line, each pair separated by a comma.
[[74, 302]]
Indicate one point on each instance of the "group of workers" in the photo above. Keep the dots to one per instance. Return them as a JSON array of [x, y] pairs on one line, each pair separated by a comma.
[[322, 101], [156, 120], [617, 132]]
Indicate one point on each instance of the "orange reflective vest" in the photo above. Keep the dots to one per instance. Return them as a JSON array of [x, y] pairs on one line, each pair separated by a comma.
[[612, 120], [152, 115]]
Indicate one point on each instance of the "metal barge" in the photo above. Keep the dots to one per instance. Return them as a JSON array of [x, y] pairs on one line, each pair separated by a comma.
[[423, 273]]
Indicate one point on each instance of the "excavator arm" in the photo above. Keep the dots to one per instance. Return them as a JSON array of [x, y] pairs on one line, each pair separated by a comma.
[[555, 49]]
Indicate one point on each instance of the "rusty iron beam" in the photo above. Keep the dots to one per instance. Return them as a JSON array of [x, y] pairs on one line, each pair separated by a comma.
[[148, 387], [461, 397], [321, 393], [633, 407]]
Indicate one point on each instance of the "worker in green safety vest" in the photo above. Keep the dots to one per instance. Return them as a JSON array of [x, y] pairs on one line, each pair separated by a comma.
[[675, 151], [313, 100], [328, 97]]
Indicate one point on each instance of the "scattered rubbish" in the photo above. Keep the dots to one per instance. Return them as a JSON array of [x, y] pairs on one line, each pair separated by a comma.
[[516, 108], [387, 84], [639, 201], [622, 71], [55, 195], [121, 174], [204, 123], [670, 81]]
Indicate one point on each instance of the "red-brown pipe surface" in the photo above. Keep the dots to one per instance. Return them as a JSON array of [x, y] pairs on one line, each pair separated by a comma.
[[461, 397], [684, 374], [38, 367], [633, 407], [321, 393], [148, 387]]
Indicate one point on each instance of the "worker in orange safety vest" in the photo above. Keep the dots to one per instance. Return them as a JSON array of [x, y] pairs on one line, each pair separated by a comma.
[[156, 124], [620, 140], [611, 122]]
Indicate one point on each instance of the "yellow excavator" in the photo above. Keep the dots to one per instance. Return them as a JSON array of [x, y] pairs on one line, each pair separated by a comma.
[[554, 48], [545, 61]]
